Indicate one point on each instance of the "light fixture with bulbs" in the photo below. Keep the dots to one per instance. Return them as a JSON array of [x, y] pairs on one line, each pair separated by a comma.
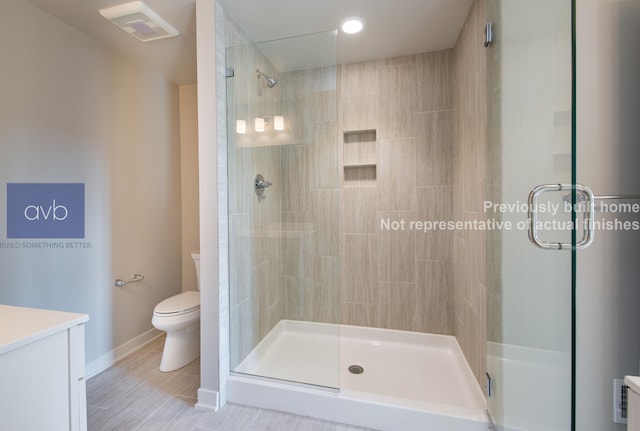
[[241, 127], [260, 124], [278, 122]]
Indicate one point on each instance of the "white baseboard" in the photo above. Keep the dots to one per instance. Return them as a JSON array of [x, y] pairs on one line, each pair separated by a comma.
[[208, 400], [108, 359]]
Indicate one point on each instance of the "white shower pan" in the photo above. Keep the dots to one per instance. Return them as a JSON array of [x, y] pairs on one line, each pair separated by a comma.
[[410, 381]]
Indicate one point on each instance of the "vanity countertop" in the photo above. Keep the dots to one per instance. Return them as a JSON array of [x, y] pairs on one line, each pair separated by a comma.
[[20, 326], [633, 382]]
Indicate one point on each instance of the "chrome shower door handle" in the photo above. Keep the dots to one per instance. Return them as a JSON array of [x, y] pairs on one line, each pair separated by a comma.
[[588, 203]]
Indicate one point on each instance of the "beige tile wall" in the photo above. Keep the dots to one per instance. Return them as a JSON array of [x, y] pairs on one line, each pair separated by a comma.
[[311, 208], [399, 279], [469, 256]]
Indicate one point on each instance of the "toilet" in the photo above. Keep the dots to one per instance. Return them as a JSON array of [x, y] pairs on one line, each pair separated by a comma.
[[179, 317]]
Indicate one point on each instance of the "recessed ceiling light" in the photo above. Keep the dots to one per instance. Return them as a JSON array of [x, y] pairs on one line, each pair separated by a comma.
[[352, 25]]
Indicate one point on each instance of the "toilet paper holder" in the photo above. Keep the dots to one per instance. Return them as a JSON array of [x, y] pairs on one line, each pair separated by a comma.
[[135, 277]]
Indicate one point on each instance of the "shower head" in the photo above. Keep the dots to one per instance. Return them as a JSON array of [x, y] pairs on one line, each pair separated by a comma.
[[271, 81]]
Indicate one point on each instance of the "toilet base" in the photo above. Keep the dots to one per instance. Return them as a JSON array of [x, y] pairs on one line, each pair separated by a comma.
[[180, 348]]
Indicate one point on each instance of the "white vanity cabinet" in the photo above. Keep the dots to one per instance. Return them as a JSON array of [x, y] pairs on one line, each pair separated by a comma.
[[42, 370]]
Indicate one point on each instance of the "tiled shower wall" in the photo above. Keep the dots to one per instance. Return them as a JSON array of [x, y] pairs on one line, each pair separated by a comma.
[[309, 245], [395, 129], [469, 261], [314, 223]]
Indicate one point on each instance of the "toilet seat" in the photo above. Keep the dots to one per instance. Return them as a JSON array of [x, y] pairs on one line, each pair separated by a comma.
[[182, 303]]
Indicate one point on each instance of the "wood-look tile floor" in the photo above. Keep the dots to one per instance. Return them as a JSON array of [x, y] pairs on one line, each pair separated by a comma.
[[135, 395]]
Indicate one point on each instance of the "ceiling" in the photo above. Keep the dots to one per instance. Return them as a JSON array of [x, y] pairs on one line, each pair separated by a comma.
[[173, 58], [392, 27]]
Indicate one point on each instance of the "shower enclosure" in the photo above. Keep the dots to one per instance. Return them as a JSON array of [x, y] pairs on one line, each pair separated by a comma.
[[342, 295], [332, 292]]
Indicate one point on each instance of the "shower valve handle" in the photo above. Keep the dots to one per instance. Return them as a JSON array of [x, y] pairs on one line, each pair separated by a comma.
[[260, 184]]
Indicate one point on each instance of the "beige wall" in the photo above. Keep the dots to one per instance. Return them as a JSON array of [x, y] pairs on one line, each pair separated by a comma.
[[189, 183], [143, 154], [74, 111], [469, 256]]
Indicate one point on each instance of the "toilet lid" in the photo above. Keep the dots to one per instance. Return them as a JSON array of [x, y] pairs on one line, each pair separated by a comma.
[[181, 303]]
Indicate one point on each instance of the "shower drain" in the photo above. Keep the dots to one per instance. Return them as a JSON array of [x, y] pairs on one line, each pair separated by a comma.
[[356, 369]]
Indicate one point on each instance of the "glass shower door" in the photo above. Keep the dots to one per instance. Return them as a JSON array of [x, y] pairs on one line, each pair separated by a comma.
[[530, 290], [283, 210]]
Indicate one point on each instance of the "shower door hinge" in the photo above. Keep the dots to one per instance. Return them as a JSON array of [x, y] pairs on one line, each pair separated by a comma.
[[488, 34]]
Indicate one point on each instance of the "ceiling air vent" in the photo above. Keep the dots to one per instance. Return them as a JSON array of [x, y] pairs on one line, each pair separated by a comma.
[[138, 20]]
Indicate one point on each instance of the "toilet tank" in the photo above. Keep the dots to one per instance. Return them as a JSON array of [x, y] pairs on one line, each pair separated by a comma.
[[633, 403], [196, 262]]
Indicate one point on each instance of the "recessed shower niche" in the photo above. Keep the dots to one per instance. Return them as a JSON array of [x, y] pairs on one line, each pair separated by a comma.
[[359, 158]]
